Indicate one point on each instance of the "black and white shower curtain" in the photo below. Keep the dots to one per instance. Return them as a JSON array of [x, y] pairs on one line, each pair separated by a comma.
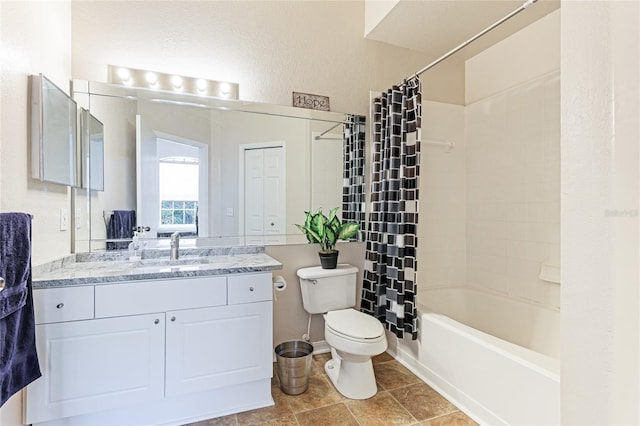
[[353, 189], [390, 269]]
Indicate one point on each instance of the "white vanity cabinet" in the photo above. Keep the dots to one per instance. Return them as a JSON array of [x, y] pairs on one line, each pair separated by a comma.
[[91, 365], [214, 347], [150, 352]]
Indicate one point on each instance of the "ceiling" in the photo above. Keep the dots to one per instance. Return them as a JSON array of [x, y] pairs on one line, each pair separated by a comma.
[[437, 26]]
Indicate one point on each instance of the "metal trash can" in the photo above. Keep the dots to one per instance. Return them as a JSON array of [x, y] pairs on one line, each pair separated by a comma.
[[294, 364]]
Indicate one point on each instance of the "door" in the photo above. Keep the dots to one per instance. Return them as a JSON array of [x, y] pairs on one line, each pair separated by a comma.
[[88, 366], [214, 347], [147, 177], [264, 194]]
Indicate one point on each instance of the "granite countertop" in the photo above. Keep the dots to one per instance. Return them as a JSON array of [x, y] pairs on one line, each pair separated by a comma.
[[109, 267]]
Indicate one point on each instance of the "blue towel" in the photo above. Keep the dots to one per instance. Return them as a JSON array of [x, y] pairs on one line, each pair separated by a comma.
[[120, 226], [18, 358]]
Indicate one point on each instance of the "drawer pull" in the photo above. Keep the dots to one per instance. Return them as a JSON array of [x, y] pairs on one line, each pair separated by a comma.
[[173, 319], [250, 288], [60, 305], [157, 321]]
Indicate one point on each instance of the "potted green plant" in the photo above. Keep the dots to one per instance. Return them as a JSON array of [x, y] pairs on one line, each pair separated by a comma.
[[326, 231]]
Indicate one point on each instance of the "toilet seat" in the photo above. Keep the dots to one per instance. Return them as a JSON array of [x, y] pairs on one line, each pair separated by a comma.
[[354, 325]]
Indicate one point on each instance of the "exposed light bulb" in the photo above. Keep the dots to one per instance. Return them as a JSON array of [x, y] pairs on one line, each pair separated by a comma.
[[124, 75], [151, 77], [201, 85], [225, 89], [176, 81]]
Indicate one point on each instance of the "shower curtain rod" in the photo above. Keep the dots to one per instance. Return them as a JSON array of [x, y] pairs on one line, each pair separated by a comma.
[[328, 130], [524, 6]]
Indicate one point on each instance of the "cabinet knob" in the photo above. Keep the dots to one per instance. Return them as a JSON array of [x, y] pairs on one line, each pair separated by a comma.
[[250, 288], [157, 321], [60, 305], [173, 319]]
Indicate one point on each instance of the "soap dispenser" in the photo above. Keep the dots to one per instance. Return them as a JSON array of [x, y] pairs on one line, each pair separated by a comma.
[[134, 248]]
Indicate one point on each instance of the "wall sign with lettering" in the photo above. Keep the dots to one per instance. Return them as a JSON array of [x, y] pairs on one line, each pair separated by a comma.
[[309, 101]]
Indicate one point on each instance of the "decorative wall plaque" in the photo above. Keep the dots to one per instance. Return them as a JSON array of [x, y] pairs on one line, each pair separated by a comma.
[[309, 101]]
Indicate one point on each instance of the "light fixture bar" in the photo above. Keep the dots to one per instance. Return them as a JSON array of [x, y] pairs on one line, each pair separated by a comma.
[[134, 77]]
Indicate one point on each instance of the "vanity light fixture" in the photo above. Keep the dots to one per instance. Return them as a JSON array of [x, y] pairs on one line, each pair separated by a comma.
[[171, 82]]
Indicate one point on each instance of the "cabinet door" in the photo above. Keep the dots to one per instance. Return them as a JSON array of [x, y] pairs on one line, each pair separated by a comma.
[[215, 347], [92, 365]]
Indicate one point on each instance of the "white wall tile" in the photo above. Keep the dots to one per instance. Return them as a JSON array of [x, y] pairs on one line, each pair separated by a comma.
[[513, 189]]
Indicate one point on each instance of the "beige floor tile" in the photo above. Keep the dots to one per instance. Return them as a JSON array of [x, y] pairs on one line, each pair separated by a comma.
[[218, 421], [320, 393], [266, 414], [393, 375], [455, 419], [317, 365], [380, 410], [333, 415], [383, 357], [422, 401], [288, 420]]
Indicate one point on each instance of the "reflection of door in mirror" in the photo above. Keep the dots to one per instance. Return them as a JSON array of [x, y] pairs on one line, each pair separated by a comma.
[[263, 206], [172, 176]]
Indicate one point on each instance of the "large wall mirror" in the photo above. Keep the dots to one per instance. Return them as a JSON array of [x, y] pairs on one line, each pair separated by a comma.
[[223, 172]]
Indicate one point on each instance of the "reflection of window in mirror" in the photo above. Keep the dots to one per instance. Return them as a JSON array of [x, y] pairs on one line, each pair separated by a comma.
[[178, 190]]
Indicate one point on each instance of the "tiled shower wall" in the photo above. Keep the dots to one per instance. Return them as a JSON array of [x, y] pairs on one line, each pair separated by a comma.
[[513, 190], [490, 208], [441, 230]]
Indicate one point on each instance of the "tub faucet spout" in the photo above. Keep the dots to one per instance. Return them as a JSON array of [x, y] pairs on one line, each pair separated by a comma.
[[175, 245]]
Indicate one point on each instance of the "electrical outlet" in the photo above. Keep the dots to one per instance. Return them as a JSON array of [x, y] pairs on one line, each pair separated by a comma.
[[230, 211], [64, 219]]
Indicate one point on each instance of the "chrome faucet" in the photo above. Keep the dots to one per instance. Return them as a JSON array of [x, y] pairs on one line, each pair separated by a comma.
[[175, 245]]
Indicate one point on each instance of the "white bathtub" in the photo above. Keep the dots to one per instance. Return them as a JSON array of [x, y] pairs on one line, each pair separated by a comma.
[[491, 379]]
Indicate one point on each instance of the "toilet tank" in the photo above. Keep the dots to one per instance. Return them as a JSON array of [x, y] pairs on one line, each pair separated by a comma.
[[325, 290]]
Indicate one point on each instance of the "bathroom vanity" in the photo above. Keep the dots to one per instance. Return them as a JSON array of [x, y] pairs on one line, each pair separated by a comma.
[[152, 342]]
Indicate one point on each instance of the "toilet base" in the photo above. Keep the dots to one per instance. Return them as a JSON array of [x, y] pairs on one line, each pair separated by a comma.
[[352, 375]]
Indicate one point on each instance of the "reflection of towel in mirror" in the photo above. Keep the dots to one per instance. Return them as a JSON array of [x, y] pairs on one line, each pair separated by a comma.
[[120, 226], [18, 358]]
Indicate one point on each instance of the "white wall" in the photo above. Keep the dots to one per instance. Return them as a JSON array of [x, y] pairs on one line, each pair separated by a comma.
[[600, 383], [36, 38], [271, 49], [513, 164]]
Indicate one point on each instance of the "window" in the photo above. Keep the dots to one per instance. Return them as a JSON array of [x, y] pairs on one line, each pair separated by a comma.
[[179, 178], [174, 212]]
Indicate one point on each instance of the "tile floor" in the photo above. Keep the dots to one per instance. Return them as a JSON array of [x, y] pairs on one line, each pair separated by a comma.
[[402, 399]]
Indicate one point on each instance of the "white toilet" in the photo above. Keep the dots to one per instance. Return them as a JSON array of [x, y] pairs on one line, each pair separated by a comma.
[[354, 337]]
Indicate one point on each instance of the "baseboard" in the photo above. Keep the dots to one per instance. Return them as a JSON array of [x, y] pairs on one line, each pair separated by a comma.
[[320, 347]]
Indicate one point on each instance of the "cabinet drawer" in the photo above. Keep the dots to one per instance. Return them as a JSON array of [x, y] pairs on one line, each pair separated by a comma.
[[249, 288], [142, 297], [63, 304]]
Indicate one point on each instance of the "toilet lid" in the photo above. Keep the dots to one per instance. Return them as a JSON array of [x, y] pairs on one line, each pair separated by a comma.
[[352, 323]]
